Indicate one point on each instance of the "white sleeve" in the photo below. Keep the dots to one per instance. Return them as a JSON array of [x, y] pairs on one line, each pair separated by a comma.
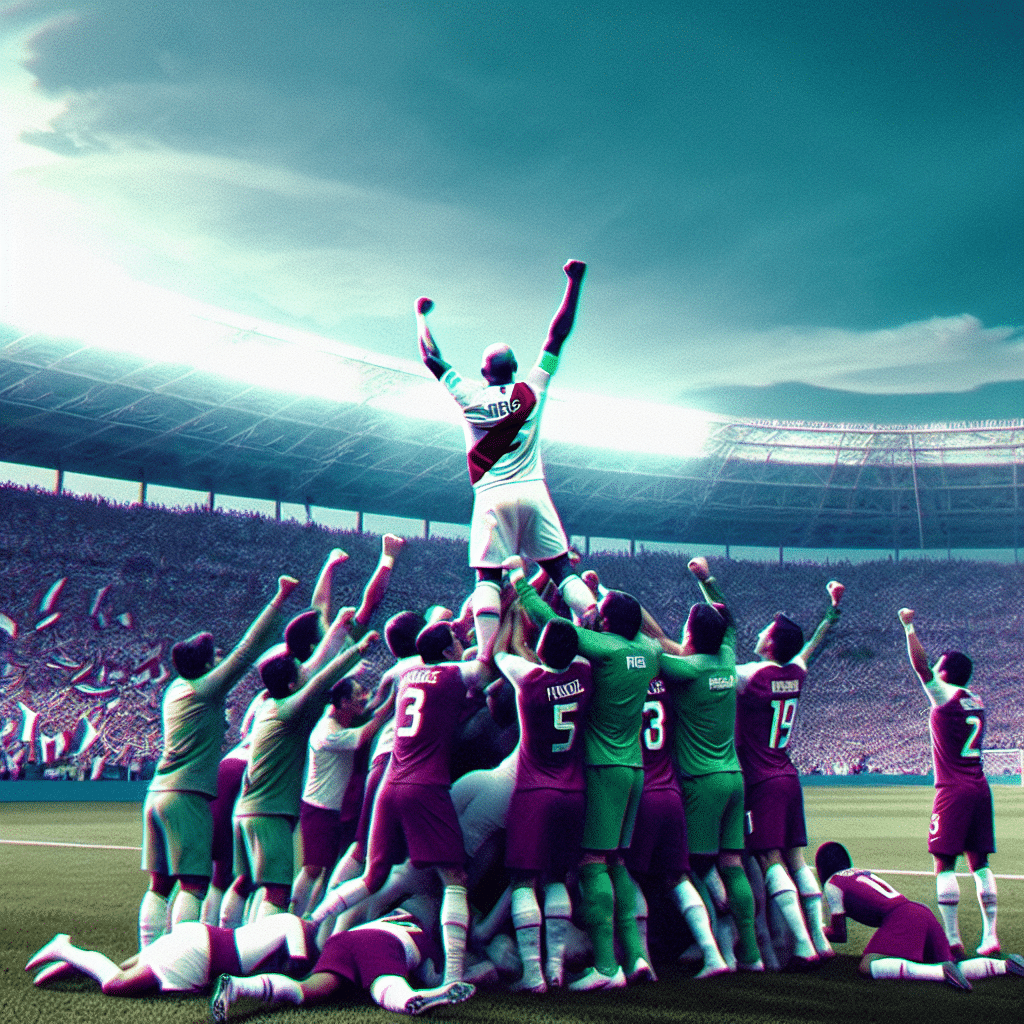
[[939, 692], [834, 895]]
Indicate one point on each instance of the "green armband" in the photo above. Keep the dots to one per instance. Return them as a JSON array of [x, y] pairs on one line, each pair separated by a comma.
[[548, 362]]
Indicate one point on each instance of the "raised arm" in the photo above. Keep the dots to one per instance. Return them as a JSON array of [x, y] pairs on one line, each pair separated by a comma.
[[330, 643], [255, 640], [915, 649], [835, 592], [429, 352], [321, 599], [566, 315], [322, 681]]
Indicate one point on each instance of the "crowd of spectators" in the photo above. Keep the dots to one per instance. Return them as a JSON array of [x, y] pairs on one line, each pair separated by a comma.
[[137, 579]]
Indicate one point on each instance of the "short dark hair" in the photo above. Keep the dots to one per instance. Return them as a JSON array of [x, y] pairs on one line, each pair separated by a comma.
[[622, 613], [341, 691], [433, 640], [787, 638], [558, 644], [707, 624], [278, 671], [303, 633], [958, 667], [192, 657], [830, 858], [400, 633]]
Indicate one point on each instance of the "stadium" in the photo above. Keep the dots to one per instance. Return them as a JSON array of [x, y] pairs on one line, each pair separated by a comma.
[[95, 592]]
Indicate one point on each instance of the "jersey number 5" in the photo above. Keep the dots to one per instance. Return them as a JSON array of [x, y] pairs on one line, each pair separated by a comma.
[[562, 724]]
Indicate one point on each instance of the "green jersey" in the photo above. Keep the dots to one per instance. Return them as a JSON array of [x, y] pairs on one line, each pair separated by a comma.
[[703, 688], [622, 670]]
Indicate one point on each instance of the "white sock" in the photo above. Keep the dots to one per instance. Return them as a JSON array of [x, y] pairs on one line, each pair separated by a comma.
[[187, 907], [91, 962], [347, 895], [269, 988], [486, 614], [152, 918], [810, 897], [268, 909], [557, 915], [982, 967], [893, 967], [526, 919], [577, 595], [782, 890], [454, 925], [985, 883], [232, 909], [947, 891], [391, 992], [697, 919], [210, 914], [255, 942]]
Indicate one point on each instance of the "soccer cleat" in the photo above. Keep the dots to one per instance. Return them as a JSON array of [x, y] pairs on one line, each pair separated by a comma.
[[992, 949], [593, 980], [952, 975], [642, 971], [1015, 964], [958, 952], [53, 950], [531, 985], [453, 992], [755, 967], [222, 998], [554, 972], [713, 968]]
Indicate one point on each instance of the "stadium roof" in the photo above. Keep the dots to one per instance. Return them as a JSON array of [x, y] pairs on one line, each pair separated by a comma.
[[386, 439]]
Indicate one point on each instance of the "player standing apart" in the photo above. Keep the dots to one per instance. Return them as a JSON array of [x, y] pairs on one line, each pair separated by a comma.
[[962, 816], [512, 509]]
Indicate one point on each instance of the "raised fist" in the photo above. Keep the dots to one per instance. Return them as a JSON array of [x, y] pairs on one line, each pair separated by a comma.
[[286, 584], [699, 567], [575, 269], [835, 591], [906, 616], [424, 305]]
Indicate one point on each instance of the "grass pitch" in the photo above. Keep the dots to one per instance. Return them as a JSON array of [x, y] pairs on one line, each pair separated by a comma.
[[94, 895]]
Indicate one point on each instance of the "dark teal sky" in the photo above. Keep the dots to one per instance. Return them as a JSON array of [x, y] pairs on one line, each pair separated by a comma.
[[767, 193]]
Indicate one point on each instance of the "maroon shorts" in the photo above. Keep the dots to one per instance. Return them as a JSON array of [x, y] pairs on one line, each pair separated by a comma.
[[363, 955], [962, 820], [546, 829], [321, 836], [913, 932], [418, 819], [373, 777], [659, 835], [775, 815], [229, 782]]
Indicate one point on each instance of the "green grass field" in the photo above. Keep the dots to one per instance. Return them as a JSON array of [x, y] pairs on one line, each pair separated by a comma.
[[94, 895]]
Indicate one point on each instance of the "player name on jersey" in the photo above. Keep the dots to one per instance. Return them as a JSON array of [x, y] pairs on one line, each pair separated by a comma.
[[563, 690]]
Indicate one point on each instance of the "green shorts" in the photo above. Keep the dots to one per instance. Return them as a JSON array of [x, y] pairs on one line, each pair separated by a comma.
[[714, 812], [177, 833], [263, 848], [613, 796]]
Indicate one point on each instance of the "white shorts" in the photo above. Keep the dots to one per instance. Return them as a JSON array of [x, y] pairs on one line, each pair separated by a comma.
[[481, 801], [180, 959], [516, 518]]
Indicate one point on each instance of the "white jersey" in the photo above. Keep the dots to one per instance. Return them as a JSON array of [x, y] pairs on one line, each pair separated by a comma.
[[501, 423], [329, 762]]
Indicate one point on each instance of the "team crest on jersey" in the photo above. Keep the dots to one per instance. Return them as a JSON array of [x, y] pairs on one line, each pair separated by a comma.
[[655, 687], [635, 661], [785, 686], [721, 683]]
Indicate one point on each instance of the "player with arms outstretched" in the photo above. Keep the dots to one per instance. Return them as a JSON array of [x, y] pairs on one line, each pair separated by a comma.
[[512, 509], [962, 816]]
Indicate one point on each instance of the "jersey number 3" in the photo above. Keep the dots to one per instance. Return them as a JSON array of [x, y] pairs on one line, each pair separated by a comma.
[[412, 702]]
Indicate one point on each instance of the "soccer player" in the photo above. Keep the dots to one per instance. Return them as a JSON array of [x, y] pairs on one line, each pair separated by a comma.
[[187, 958], [413, 811], [962, 817], [768, 694], [909, 941], [330, 760], [702, 681], [623, 662], [177, 824], [380, 957], [512, 509], [268, 806], [547, 807]]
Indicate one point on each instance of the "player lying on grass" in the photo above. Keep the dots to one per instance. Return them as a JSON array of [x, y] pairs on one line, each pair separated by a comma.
[[186, 958], [380, 957], [909, 941]]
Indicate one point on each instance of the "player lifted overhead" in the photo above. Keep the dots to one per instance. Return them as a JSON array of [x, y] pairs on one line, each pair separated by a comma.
[[962, 818], [512, 510], [766, 707], [909, 941]]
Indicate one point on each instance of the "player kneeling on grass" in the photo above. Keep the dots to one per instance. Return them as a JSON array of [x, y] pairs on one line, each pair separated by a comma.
[[909, 941], [186, 958], [380, 957]]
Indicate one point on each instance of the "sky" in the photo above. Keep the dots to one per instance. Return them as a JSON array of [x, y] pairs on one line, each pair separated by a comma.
[[788, 209]]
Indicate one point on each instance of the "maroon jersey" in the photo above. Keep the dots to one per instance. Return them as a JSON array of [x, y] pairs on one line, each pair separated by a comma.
[[766, 709], [656, 739], [958, 729], [552, 707], [429, 705], [862, 896]]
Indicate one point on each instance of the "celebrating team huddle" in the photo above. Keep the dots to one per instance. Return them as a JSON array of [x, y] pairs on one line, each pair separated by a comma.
[[619, 769]]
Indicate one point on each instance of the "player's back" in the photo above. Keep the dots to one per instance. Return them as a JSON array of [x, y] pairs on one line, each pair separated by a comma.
[[957, 730], [766, 708], [862, 896], [656, 738]]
